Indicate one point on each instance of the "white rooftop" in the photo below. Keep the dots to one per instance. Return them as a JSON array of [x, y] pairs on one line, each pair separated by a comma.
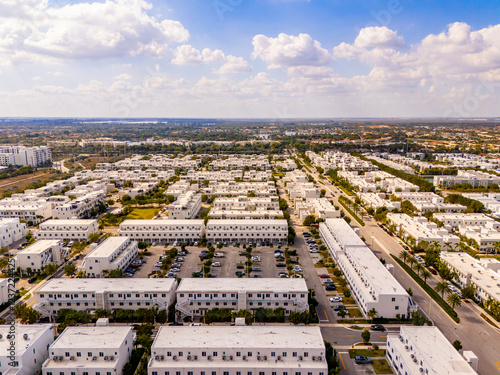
[[236, 284], [239, 337], [34, 331], [91, 337], [107, 285], [68, 222], [108, 247], [40, 246]]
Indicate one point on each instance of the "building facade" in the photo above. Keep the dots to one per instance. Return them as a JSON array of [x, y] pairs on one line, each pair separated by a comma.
[[247, 231], [115, 253], [23, 156], [11, 230], [75, 230], [40, 254], [163, 231]]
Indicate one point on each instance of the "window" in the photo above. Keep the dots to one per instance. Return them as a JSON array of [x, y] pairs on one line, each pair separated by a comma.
[[306, 354], [238, 354], [294, 354], [393, 299], [89, 354], [203, 354]]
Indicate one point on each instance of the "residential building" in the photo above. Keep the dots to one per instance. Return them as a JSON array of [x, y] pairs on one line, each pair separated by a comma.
[[247, 231], [39, 254], [4, 290], [115, 253], [378, 200], [31, 348], [371, 284], [102, 350], [427, 201], [424, 350], [11, 230], [238, 350], [243, 207], [77, 229], [483, 273], [197, 296], [164, 231], [474, 178], [187, 206], [81, 206], [23, 156], [491, 201], [259, 189], [108, 294], [30, 209]]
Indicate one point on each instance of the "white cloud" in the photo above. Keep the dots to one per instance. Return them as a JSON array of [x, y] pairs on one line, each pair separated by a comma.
[[378, 37], [89, 30], [36, 78], [188, 55], [123, 77], [288, 50], [234, 65]]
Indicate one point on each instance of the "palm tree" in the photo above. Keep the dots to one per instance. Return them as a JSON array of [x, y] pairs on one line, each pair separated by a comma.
[[425, 274], [454, 300], [448, 245], [419, 267], [442, 287], [372, 314], [403, 255], [411, 261], [496, 245]]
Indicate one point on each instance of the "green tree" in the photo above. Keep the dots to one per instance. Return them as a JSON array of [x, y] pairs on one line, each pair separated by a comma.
[[26, 313], [69, 269], [442, 287], [309, 220], [457, 345], [469, 292], [425, 275], [365, 335], [50, 269], [403, 255], [372, 314], [454, 300]]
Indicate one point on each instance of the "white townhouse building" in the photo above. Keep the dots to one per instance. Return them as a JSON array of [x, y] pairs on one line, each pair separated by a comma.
[[428, 201], [76, 229], [425, 350], [102, 350], [31, 348], [164, 231], [238, 350], [181, 187], [4, 290], [302, 190], [39, 254], [23, 156], [483, 273], [196, 296], [372, 285], [377, 200], [81, 206], [115, 253], [475, 178], [24, 208], [11, 230], [260, 189], [187, 206], [244, 207], [108, 294], [245, 231]]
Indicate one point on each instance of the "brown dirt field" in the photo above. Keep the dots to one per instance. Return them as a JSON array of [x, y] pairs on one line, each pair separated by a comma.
[[22, 181]]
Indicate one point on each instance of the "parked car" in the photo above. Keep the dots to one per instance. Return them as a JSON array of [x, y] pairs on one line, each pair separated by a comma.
[[158, 264], [257, 276], [238, 273], [280, 265], [324, 276], [240, 267], [219, 255], [335, 299], [377, 327], [257, 269], [338, 307], [216, 264], [359, 359], [32, 280]]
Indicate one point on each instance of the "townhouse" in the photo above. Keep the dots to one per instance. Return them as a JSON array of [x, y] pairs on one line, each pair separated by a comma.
[[187, 206], [474, 178], [197, 296], [302, 190], [372, 285], [4, 290], [238, 350], [163, 231], [427, 201], [39, 254], [30, 209], [108, 294], [232, 188], [11, 230], [115, 253], [247, 231], [101, 350], [81, 206], [243, 207], [73, 230]]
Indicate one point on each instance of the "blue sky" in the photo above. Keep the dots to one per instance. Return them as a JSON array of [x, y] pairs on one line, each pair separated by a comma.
[[249, 58]]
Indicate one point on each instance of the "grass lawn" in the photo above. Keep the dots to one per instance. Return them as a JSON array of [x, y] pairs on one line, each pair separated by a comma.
[[348, 301], [357, 328], [366, 353], [143, 213], [381, 366], [355, 313]]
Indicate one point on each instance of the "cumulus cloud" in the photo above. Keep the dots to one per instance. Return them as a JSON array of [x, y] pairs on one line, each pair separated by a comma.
[[234, 65], [378, 37], [88, 30], [289, 50]]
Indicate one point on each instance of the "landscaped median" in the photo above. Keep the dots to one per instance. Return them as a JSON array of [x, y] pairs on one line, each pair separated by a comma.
[[343, 201], [428, 289]]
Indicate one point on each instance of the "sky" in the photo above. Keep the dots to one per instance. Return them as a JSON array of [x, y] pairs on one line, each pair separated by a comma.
[[271, 59]]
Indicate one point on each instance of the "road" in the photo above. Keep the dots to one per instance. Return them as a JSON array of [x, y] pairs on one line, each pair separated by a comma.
[[59, 165], [473, 332]]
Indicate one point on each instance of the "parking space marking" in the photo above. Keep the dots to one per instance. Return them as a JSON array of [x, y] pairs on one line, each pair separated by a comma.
[[498, 365], [341, 360], [326, 315]]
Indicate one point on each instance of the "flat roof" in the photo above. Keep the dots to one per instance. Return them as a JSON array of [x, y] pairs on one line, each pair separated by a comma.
[[239, 337], [108, 247], [270, 284], [436, 350], [250, 221], [40, 246], [107, 285], [163, 222], [34, 331], [68, 222], [104, 337]]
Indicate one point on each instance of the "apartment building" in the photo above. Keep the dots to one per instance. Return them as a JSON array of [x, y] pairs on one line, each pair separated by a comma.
[[39, 254], [77, 230], [474, 178], [160, 162], [181, 187], [11, 230], [108, 294], [4, 290], [238, 350], [80, 207], [102, 350], [302, 190], [187, 206], [421, 229], [285, 164], [347, 162], [30, 209], [31, 348], [241, 162], [427, 201], [197, 296], [23, 156], [373, 181], [138, 189], [469, 160], [320, 207], [222, 175], [483, 273], [378, 200], [371, 284], [259, 189], [296, 175], [163, 231], [425, 350], [247, 231], [391, 164], [115, 253], [244, 207], [491, 201]]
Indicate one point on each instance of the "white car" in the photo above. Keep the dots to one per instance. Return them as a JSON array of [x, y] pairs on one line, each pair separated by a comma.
[[158, 264], [335, 299], [216, 264]]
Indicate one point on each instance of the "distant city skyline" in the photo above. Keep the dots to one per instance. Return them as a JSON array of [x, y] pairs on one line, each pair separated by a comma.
[[249, 58]]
